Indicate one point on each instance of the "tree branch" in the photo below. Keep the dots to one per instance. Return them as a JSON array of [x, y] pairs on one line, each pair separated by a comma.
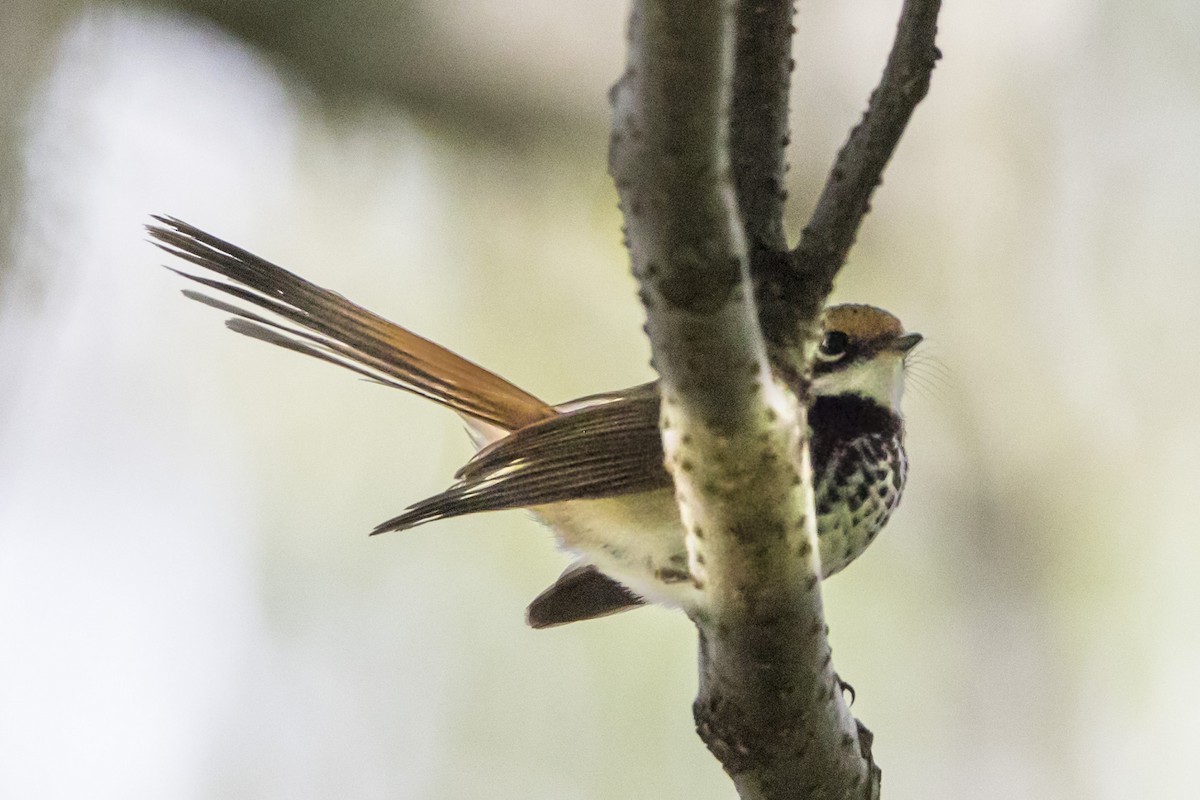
[[669, 156], [702, 198], [769, 705], [858, 170], [762, 68], [758, 141]]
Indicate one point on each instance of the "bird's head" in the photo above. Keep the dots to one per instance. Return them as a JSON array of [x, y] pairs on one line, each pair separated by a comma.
[[862, 352]]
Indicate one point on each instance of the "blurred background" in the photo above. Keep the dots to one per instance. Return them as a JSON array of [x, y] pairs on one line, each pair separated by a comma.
[[189, 605]]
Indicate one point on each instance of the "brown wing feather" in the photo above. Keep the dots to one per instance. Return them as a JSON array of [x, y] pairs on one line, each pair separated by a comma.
[[604, 450], [328, 326]]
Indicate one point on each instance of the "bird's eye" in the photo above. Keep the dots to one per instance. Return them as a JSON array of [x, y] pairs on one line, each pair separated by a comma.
[[833, 346]]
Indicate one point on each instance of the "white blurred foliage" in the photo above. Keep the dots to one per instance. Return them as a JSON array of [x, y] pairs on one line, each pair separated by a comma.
[[125, 584]]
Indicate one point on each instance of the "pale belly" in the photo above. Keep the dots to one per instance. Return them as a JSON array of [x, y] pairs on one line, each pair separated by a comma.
[[638, 539]]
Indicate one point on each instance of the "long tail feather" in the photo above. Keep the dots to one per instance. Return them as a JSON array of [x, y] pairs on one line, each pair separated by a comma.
[[325, 325]]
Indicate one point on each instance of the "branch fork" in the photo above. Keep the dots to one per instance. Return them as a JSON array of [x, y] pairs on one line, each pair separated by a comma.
[[697, 154]]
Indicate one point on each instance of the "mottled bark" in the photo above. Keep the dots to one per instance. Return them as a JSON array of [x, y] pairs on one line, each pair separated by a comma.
[[699, 131]]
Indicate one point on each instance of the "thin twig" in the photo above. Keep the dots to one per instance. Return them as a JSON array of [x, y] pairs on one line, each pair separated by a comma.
[[858, 170]]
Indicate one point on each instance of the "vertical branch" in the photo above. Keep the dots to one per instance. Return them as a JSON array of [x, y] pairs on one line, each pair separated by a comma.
[[759, 137], [669, 156], [762, 71], [702, 197], [769, 705]]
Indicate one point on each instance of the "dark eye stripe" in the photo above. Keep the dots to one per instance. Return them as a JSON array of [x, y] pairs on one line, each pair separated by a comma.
[[834, 345]]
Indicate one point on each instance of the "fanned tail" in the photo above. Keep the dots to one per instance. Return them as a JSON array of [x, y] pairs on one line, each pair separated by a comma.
[[327, 326]]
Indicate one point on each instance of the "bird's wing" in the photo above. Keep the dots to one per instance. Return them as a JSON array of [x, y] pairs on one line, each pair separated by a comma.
[[603, 450]]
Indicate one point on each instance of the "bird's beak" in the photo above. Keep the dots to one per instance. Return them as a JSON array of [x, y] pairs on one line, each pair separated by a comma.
[[902, 344]]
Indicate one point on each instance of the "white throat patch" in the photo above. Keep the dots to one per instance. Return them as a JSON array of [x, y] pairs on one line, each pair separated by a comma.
[[880, 378]]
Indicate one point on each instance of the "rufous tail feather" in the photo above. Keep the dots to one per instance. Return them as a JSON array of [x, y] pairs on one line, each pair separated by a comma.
[[327, 326]]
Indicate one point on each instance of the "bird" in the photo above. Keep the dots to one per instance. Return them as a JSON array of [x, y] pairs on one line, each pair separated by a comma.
[[591, 469]]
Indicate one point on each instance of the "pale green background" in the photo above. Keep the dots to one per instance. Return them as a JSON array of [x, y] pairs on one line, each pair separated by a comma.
[[189, 606]]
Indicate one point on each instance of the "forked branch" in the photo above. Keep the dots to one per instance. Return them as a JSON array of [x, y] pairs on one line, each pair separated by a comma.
[[703, 197]]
